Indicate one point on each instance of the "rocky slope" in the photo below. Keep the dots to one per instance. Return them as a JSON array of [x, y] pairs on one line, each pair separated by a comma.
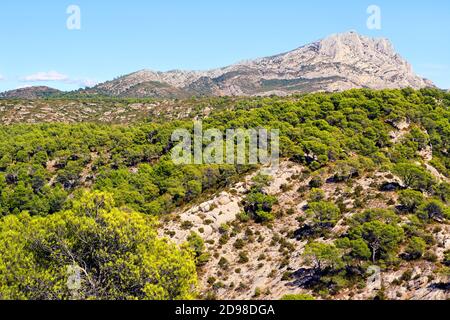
[[274, 265], [268, 263], [118, 111], [339, 62]]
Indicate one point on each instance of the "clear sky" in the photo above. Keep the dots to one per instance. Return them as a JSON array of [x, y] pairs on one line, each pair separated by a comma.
[[118, 37]]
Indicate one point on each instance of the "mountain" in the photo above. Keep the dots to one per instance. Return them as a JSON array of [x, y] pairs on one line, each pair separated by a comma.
[[30, 93], [339, 62]]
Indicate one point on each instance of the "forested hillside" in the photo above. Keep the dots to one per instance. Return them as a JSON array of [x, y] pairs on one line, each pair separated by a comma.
[[90, 195]]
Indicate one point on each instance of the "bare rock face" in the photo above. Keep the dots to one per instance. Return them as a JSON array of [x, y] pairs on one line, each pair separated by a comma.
[[339, 62]]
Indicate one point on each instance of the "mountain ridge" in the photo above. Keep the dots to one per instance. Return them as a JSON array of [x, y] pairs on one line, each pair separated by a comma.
[[339, 62]]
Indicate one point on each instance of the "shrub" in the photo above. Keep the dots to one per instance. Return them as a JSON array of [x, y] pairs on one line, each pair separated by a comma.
[[239, 244], [316, 182], [324, 214], [433, 210], [410, 200], [316, 195], [243, 257], [223, 263], [416, 248], [259, 206], [414, 177], [196, 244], [186, 225]]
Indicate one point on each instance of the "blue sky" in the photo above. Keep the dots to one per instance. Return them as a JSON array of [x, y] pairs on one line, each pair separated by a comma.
[[118, 37]]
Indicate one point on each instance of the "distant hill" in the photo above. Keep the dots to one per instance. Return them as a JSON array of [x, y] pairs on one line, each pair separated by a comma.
[[30, 93]]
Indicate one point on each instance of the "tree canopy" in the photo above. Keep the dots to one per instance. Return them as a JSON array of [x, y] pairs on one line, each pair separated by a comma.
[[110, 253]]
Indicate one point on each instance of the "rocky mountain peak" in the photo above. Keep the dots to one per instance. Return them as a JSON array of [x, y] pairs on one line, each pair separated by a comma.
[[339, 62], [339, 46]]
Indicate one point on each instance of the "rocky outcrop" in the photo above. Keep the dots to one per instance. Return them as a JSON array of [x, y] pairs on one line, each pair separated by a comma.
[[206, 218]]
